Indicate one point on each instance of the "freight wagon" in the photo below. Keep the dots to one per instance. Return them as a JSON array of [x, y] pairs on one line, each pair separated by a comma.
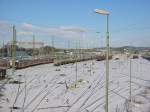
[[32, 62], [4, 63]]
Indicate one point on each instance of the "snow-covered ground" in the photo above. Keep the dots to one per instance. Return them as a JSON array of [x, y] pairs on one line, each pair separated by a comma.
[[47, 88]]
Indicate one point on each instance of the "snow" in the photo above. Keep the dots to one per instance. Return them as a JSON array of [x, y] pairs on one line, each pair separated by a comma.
[[48, 88]]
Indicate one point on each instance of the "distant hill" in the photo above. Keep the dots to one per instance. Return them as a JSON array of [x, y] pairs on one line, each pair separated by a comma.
[[132, 48]]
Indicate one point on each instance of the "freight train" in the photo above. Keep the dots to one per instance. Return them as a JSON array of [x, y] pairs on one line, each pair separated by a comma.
[[32, 62], [4, 63], [24, 63]]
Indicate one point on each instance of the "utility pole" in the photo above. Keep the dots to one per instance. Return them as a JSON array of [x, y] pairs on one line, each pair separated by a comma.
[[79, 47], [53, 52], [3, 50], [14, 50], [33, 42], [42, 51], [68, 44], [69, 50], [130, 84], [76, 69]]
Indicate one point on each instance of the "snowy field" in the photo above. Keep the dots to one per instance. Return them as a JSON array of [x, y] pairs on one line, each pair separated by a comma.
[[47, 88]]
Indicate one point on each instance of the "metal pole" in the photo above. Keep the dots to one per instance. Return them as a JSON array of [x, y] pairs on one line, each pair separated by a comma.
[[33, 46], [3, 50], [76, 69], [68, 44], [98, 38], [14, 49], [107, 64], [53, 52], [130, 80], [130, 85], [42, 53]]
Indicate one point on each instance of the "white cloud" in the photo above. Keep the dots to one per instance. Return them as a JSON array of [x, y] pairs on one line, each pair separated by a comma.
[[5, 25], [24, 33], [73, 29], [27, 26], [69, 32], [60, 33], [5, 30]]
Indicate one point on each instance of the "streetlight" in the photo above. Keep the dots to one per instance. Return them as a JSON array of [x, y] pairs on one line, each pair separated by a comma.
[[104, 12]]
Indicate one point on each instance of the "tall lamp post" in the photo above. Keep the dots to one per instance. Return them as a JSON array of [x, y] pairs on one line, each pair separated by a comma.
[[104, 12]]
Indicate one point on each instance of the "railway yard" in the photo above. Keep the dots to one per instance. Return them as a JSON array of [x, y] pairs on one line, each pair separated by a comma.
[[77, 87], [74, 56]]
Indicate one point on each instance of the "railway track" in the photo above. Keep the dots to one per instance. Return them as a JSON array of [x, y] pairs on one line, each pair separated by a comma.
[[24, 89], [84, 93], [47, 93], [134, 77], [91, 90], [41, 92]]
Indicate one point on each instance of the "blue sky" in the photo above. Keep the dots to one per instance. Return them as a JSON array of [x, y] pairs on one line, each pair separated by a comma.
[[76, 22]]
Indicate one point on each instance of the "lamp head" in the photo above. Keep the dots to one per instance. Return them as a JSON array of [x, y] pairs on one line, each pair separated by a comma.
[[99, 11]]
